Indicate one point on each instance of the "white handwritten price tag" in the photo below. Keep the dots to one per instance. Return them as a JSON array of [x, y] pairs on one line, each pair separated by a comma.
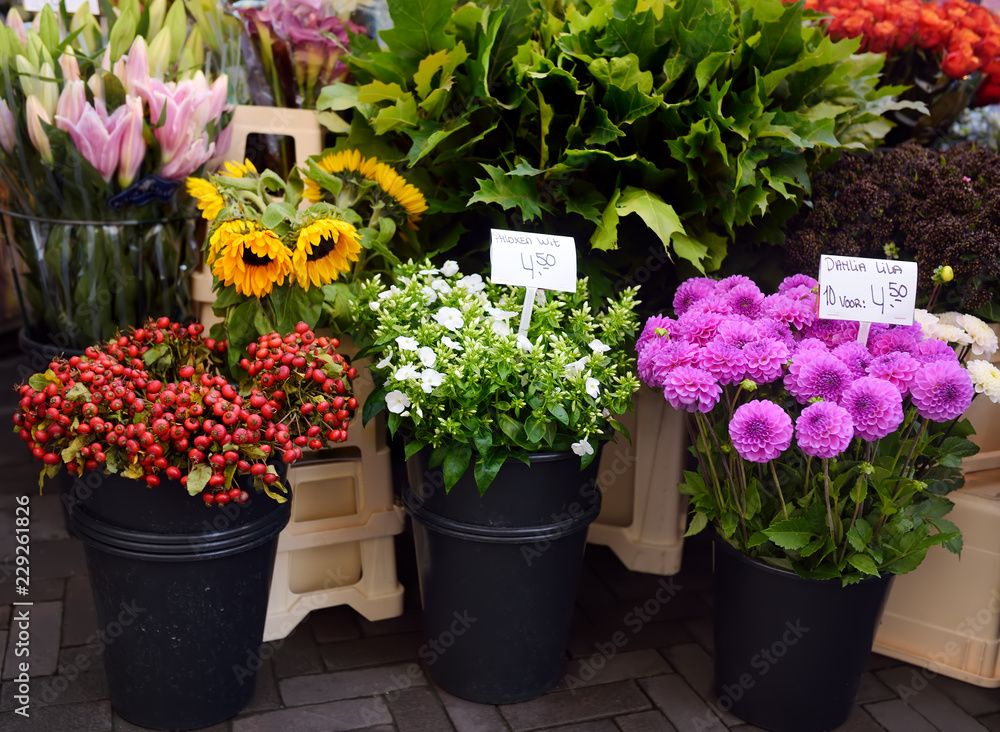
[[868, 290], [539, 261], [72, 6]]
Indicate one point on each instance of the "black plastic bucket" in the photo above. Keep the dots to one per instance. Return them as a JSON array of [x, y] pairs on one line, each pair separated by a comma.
[[499, 573], [790, 652], [181, 604]]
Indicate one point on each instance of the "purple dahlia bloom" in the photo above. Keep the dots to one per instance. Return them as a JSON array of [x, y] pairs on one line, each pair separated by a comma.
[[797, 313], [896, 368], [771, 328], [661, 355], [746, 299], [824, 430], [760, 431], [699, 328], [765, 359], [875, 406], [935, 350], [832, 332], [737, 332], [726, 363], [724, 286], [649, 330], [856, 357], [941, 391], [691, 389], [893, 341], [797, 280], [692, 291], [819, 374]]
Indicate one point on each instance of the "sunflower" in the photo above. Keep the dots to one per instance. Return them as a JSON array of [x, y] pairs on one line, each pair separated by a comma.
[[209, 200], [345, 161], [221, 236], [323, 250], [405, 194], [235, 169], [253, 261]]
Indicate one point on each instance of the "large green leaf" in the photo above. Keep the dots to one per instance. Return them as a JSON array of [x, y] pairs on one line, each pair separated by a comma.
[[418, 27], [791, 533], [508, 192], [654, 211]]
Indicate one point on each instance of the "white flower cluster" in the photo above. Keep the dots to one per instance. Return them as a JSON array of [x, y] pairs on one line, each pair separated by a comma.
[[454, 362], [981, 125], [971, 333]]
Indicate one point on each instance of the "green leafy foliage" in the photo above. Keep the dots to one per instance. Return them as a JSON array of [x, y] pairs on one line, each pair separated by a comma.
[[700, 117]]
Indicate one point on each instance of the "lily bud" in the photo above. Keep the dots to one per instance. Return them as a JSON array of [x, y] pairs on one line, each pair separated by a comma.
[[35, 114], [15, 23], [133, 146], [136, 67], [8, 127], [159, 54], [48, 89], [70, 68], [71, 104]]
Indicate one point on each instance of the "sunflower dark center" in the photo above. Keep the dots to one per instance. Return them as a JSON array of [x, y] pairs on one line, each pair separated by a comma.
[[325, 246], [254, 260]]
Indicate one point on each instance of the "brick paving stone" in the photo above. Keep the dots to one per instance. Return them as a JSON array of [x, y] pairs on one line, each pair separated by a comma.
[[80, 658], [645, 722], [41, 590], [599, 669], [48, 691], [297, 654], [565, 706], [265, 693], [703, 631], [915, 691], [338, 716], [681, 704], [693, 663], [877, 662], [408, 623], [87, 717], [54, 559], [896, 716], [332, 624], [4, 617], [120, 725], [637, 636], [43, 645], [467, 716], [975, 700], [859, 721], [374, 651], [872, 690], [338, 685], [418, 710], [48, 522], [80, 619]]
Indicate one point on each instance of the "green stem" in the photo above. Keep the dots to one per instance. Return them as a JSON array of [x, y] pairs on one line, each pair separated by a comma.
[[826, 494], [732, 485], [777, 484]]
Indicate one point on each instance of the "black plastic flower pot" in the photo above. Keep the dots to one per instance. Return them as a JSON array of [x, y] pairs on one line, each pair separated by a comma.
[[499, 573], [181, 591], [789, 652]]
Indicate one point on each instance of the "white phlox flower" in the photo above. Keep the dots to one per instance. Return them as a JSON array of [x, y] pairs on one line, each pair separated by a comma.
[[450, 318], [385, 362], [396, 401], [500, 327], [576, 368], [453, 345], [523, 343], [441, 286], [472, 283], [428, 271], [429, 294], [449, 268], [373, 305], [427, 356], [593, 387], [598, 347], [429, 379], [386, 294], [406, 373], [406, 343], [582, 448]]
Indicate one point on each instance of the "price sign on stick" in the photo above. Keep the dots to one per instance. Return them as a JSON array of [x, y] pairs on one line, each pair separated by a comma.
[[540, 261], [869, 290], [533, 261], [72, 6]]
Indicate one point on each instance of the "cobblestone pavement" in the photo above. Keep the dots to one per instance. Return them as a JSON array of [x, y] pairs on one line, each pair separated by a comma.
[[338, 671]]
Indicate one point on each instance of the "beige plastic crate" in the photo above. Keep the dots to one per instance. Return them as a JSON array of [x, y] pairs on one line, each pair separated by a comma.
[[985, 417], [643, 517], [945, 615]]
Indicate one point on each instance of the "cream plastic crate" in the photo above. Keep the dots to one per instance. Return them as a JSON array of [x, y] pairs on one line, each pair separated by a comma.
[[985, 417], [643, 516], [945, 615]]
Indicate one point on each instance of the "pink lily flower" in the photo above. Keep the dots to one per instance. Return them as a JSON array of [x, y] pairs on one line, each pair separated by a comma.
[[133, 146], [98, 143], [8, 127], [195, 154], [71, 103], [176, 105], [34, 115], [136, 67], [222, 143]]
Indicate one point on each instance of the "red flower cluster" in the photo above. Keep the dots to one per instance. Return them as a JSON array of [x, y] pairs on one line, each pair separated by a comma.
[[965, 36], [152, 404]]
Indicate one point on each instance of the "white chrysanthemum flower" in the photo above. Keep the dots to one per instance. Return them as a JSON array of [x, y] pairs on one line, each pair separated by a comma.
[[593, 387], [984, 340], [450, 318], [927, 322], [449, 268], [427, 356], [396, 401], [598, 347], [441, 286], [429, 294], [949, 318], [472, 283], [986, 379], [950, 334], [406, 373], [453, 345], [429, 379], [406, 343], [582, 448]]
